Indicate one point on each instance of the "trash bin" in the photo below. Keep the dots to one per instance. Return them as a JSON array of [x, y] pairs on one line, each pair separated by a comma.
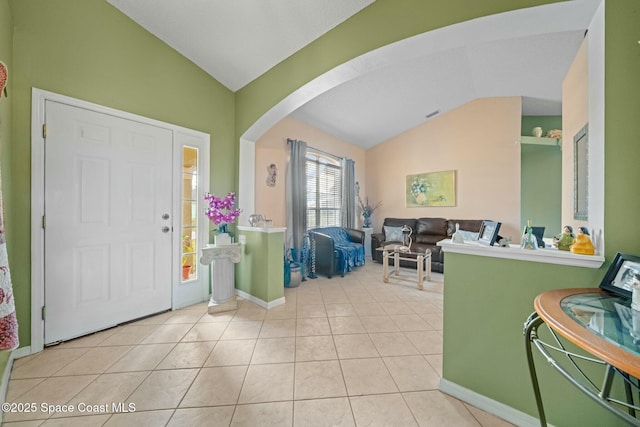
[[296, 275]]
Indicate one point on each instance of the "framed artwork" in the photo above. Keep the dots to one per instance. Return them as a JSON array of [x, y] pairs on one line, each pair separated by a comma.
[[488, 232], [431, 189], [622, 273]]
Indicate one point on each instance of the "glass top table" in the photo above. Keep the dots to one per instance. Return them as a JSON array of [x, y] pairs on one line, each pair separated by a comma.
[[603, 325], [399, 252]]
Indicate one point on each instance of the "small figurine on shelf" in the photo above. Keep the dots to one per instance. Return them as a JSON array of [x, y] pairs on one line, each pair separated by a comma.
[[457, 236], [582, 244], [529, 241], [564, 240]]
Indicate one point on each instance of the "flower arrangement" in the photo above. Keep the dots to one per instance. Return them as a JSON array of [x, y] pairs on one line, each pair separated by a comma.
[[367, 210], [221, 211]]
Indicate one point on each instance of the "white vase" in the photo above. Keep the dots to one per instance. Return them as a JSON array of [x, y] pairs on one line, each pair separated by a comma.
[[222, 239], [537, 132]]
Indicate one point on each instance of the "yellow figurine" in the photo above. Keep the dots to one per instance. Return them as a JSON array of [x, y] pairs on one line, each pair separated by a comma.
[[564, 240], [582, 245]]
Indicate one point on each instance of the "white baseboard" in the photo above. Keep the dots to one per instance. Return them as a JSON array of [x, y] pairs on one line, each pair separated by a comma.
[[491, 406], [258, 301]]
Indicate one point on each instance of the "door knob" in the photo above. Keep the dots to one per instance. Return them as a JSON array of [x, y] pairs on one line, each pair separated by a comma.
[[165, 216], [165, 229]]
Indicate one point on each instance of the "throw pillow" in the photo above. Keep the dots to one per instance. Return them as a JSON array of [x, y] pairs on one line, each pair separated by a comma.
[[392, 234]]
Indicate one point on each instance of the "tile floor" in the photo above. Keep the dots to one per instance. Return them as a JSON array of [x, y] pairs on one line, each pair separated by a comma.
[[349, 351]]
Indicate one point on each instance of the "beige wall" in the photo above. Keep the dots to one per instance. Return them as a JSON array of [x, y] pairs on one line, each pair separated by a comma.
[[575, 114], [272, 148], [478, 141]]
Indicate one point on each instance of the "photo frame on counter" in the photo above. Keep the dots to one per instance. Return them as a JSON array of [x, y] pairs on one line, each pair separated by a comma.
[[488, 232], [621, 274]]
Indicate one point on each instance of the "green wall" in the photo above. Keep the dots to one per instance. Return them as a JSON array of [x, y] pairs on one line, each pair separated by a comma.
[[261, 272], [541, 178], [89, 50]]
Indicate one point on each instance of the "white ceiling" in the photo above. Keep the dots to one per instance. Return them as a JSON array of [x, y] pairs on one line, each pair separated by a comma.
[[522, 53]]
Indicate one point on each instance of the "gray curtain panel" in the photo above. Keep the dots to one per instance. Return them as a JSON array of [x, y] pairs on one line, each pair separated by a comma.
[[348, 201], [296, 190]]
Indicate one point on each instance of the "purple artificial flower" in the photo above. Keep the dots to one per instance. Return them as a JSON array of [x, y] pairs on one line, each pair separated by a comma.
[[220, 210]]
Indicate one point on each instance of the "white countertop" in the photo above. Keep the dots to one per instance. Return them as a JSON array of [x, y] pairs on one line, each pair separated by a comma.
[[545, 255], [262, 229]]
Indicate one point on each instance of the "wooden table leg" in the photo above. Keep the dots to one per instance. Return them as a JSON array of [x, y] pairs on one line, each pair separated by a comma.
[[428, 266], [385, 266], [396, 263], [420, 262]]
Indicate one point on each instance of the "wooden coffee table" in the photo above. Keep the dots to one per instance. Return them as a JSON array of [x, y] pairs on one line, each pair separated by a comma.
[[398, 253]]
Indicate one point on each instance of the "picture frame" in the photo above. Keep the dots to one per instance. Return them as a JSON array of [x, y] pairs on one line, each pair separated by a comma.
[[488, 232], [621, 274]]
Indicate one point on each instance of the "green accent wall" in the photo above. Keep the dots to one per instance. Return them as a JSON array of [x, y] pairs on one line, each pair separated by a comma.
[[541, 178], [89, 50], [261, 271]]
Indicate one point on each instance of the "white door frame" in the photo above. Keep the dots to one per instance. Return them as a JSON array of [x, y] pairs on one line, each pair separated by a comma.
[[38, 98]]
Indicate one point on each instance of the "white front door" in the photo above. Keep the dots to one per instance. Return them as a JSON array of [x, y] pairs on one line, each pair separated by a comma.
[[108, 216]]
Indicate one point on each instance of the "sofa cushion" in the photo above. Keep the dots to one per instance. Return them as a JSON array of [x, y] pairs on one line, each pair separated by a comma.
[[399, 222], [393, 234], [431, 230]]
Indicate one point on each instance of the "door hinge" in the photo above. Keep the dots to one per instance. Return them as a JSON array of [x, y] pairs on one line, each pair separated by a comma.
[[43, 312], [44, 131], [44, 222]]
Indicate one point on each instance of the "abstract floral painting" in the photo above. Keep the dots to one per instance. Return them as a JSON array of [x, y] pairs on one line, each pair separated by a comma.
[[431, 189]]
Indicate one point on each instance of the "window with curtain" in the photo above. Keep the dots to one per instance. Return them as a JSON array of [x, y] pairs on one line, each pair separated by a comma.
[[324, 190]]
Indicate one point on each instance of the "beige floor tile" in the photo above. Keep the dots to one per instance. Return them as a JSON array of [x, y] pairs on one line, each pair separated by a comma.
[[231, 353], [313, 326], [315, 348], [81, 421], [162, 389], [185, 316], [335, 297], [286, 311], [378, 324], [217, 416], [434, 319], [396, 308], [217, 386], [412, 373], [157, 319], [208, 331], [368, 309], [46, 363], [142, 358], [249, 312], [367, 376], [410, 322], [140, 419], [242, 330], [485, 419], [52, 391], [346, 325], [129, 335], [315, 380], [423, 307], [276, 328], [95, 361], [393, 344], [168, 333], [310, 299], [107, 389], [355, 346], [334, 412], [274, 350], [91, 340], [359, 296], [187, 355], [17, 388], [427, 342], [264, 415], [388, 410], [335, 310], [435, 360], [311, 310], [433, 408], [222, 317], [268, 383]]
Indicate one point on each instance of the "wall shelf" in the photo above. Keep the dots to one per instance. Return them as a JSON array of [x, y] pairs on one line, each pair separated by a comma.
[[541, 141]]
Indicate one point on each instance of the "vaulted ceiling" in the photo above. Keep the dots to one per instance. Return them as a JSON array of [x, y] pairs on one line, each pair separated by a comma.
[[521, 53]]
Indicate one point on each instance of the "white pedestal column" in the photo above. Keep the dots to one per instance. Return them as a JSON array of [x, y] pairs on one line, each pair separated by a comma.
[[367, 241], [221, 259]]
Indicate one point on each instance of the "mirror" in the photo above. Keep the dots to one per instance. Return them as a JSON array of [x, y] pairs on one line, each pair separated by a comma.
[[581, 174]]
